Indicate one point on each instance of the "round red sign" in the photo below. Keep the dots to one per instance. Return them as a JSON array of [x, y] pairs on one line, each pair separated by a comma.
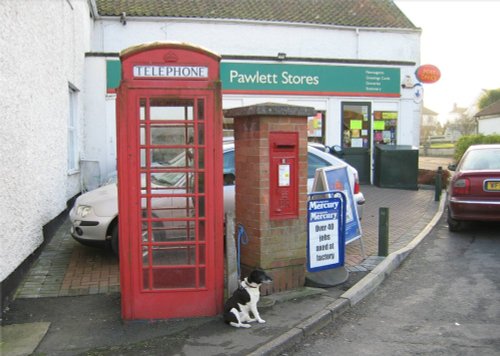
[[428, 73]]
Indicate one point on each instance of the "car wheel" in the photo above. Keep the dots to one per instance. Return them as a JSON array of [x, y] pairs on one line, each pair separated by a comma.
[[453, 225], [114, 240]]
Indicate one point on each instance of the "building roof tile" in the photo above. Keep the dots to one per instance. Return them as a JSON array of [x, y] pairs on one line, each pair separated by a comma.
[[492, 109], [352, 13]]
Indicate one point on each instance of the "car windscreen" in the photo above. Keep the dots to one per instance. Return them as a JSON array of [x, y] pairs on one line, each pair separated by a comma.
[[480, 160], [172, 179]]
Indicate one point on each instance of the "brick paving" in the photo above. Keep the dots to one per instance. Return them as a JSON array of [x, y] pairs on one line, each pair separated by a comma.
[[67, 268]]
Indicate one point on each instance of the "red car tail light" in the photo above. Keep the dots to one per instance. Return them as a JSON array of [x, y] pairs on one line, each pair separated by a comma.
[[461, 187], [356, 184]]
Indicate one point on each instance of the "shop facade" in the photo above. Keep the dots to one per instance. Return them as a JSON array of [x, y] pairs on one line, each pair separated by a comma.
[[358, 105], [352, 75]]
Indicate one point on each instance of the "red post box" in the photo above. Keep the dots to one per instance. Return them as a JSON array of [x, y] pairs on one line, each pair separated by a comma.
[[283, 185]]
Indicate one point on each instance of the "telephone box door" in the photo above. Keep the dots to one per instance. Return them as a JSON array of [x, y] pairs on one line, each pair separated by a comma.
[[170, 185]]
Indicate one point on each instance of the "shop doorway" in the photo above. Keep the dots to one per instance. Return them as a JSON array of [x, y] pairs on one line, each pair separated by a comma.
[[356, 137]]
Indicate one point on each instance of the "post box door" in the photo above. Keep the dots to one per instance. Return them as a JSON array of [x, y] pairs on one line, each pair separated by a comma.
[[170, 204], [283, 161]]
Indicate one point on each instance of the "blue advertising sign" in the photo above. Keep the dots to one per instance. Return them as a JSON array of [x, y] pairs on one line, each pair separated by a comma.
[[337, 179], [325, 237]]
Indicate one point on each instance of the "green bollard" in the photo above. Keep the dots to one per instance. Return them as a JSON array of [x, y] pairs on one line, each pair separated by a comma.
[[383, 231], [437, 184]]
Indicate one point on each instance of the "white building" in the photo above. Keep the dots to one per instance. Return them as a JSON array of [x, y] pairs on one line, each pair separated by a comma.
[[429, 124], [488, 119], [42, 89], [344, 58], [355, 54]]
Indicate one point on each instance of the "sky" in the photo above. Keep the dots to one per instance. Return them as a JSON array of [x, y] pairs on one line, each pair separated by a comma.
[[461, 38]]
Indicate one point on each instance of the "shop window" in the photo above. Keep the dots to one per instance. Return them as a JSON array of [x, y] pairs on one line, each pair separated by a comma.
[[316, 127], [384, 127]]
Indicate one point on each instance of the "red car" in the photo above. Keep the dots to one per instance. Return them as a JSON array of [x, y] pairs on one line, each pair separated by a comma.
[[474, 191]]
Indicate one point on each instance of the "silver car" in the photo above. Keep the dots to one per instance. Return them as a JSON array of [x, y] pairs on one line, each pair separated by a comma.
[[94, 216]]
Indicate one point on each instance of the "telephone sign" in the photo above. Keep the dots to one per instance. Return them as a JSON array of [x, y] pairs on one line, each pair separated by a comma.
[[170, 71]]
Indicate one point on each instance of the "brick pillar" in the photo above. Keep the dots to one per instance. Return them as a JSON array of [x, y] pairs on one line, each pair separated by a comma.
[[276, 245]]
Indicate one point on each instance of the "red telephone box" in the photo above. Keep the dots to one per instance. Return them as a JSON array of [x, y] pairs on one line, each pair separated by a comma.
[[169, 124]]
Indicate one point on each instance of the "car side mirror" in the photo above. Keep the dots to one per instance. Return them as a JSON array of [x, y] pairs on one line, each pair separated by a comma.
[[336, 150], [452, 167], [229, 178]]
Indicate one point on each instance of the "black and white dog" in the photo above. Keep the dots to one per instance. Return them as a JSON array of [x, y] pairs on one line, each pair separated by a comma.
[[244, 301]]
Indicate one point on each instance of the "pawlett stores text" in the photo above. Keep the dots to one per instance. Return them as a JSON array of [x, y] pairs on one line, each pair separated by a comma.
[[283, 78]]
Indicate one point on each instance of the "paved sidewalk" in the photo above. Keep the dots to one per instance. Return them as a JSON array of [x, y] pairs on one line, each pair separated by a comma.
[[67, 268], [87, 319]]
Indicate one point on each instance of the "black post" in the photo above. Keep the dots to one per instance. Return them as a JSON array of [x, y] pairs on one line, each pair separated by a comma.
[[438, 184], [383, 231]]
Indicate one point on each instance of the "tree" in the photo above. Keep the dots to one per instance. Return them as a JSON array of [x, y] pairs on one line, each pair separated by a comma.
[[466, 125], [488, 98]]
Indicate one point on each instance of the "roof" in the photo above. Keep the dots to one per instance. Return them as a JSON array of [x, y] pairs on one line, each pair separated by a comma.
[[355, 13], [426, 111], [457, 109], [492, 109]]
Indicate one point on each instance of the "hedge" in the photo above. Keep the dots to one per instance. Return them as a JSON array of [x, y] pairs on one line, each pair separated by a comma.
[[464, 142]]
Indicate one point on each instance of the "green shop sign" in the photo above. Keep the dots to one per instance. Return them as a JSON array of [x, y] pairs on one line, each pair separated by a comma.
[[296, 79], [309, 79]]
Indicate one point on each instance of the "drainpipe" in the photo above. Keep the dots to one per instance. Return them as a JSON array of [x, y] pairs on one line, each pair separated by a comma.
[[357, 42]]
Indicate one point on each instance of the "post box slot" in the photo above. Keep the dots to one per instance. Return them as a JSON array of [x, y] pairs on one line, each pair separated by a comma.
[[284, 146]]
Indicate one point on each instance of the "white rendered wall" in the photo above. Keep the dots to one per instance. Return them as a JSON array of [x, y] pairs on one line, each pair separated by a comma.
[[100, 128], [42, 46], [489, 126], [258, 39]]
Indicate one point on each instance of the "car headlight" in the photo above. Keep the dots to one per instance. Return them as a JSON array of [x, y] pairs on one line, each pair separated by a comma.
[[83, 210]]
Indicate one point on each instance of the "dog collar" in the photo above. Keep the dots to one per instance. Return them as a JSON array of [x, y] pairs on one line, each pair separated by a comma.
[[249, 285]]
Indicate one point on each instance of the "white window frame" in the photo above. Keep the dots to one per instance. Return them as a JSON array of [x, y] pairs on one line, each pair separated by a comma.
[[73, 146]]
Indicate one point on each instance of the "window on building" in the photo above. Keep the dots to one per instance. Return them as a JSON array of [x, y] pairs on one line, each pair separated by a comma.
[[316, 127], [73, 130], [356, 125]]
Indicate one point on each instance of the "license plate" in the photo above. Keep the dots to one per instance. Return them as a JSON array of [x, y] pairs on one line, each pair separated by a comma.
[[495, 186]]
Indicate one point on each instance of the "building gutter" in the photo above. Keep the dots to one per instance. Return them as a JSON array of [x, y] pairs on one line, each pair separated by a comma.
[[244, 58], [93, 9], [260, 22], [229, 57]]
